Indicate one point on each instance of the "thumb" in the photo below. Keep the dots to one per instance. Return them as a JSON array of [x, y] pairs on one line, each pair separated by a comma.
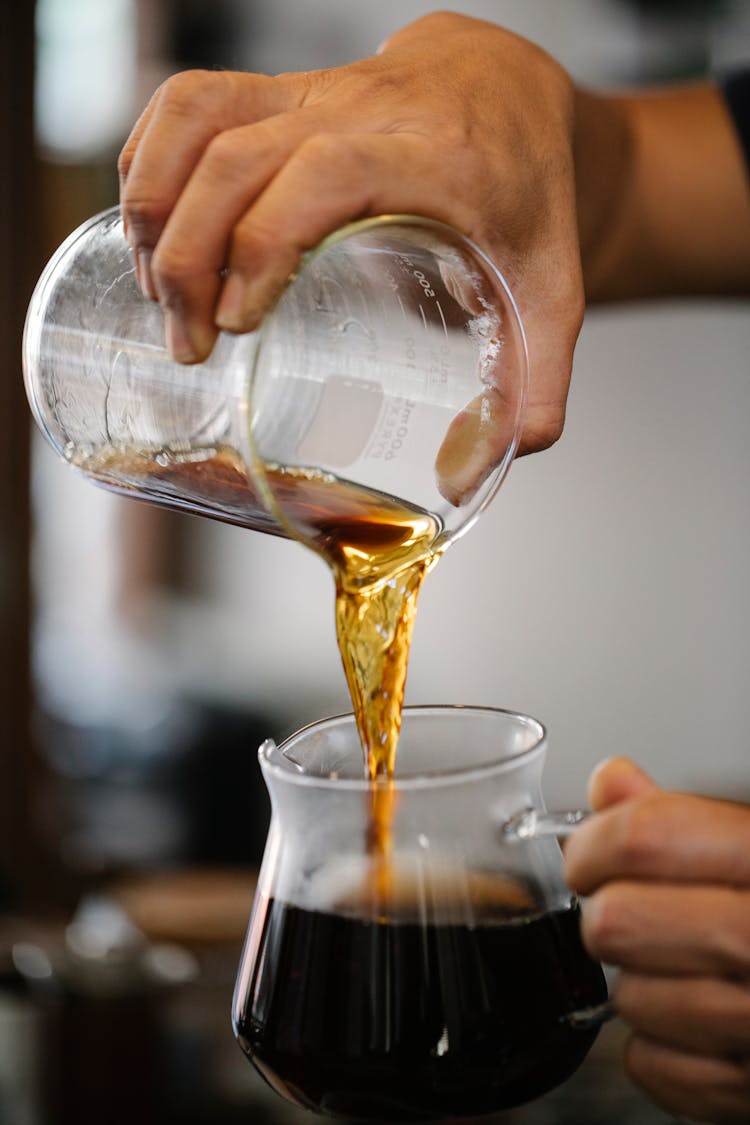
[[615, 780], [475, 443]]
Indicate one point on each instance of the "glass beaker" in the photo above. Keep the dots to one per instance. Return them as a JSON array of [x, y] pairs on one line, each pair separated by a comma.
[[455, 987], [392, 367]]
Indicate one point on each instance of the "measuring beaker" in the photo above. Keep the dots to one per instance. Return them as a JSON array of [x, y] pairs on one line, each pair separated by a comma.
[[392, 366], [442, 977]]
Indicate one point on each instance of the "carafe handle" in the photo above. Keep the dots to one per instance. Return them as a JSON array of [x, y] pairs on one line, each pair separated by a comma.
[[532, 824]]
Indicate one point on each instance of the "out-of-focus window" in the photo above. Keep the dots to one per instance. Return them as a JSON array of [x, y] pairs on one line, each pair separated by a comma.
[[86, 65]]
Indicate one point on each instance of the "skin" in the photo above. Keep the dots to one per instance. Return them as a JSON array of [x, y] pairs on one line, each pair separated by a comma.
[[245, 172], [580, 197], [668, 880]]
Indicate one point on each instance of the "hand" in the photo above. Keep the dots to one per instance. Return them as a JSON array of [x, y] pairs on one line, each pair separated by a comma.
[[228, 177], [668, 877]]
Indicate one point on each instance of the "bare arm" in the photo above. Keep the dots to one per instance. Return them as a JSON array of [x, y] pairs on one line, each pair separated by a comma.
[[663, 195]]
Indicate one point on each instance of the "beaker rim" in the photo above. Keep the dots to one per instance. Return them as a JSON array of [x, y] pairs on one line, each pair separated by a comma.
[[277, 760]]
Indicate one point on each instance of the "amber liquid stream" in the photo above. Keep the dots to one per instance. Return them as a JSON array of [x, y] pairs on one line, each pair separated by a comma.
[[379, 552]]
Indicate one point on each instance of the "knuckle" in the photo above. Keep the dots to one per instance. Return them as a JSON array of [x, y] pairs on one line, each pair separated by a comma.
[[124, 160], [605, 923], [258, 249], [627, 997], [553, 424], [576, 308], [326, 150], [145, 217], [188, 90], [641, 835], [224, 155], [543, 426], [172, 271], [736, 1022], [306, 88], [642, 1069], [734, 934], [742, 1066], [253, 243], [635, 1058], [715, 1090]]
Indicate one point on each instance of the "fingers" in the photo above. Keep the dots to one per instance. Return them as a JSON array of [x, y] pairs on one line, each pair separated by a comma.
[[693, 1086], [668, 836], [615, 780], [703, 1015], [197, 239], [669, 928], [201, 195], [330, 179], [125, 158], [183, 116], [666, 874], [209, 194]]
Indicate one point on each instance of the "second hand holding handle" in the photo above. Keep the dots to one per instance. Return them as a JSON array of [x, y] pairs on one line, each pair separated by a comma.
[[531, 824]]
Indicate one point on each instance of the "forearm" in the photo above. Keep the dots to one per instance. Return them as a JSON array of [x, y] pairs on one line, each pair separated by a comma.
[[663, 195]]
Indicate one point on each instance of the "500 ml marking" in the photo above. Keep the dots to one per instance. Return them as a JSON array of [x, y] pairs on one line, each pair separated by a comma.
[[424, 282], [407, 265]]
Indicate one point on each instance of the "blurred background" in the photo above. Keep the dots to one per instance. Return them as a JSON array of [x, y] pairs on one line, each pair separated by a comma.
[[145, 654]]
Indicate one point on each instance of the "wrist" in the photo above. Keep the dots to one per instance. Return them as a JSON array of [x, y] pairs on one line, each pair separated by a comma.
[[603, 154]]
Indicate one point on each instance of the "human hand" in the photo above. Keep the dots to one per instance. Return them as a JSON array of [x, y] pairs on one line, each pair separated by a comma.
[[668, 877], [228, 178]]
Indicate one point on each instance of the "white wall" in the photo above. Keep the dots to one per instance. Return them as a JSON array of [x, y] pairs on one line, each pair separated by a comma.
[[588, 35]]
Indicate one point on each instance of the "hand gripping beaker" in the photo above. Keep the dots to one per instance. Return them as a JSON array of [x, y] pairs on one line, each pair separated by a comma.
[[392, 366]]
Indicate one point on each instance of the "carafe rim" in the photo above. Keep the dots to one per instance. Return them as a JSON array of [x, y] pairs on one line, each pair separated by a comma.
[[277, 761]]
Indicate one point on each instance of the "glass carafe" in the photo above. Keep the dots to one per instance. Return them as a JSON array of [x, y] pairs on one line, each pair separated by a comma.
[[392, 366], [439, 974]]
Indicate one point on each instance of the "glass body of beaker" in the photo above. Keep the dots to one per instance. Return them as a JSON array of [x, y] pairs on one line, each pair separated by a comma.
[[385, 355], [441, 977]]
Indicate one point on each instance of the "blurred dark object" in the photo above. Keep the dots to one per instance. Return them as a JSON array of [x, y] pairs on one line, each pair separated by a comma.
[[675, 37], [221, 788], [182, 789], [204, 35], [97, 988], [679, 9], [21, 874]]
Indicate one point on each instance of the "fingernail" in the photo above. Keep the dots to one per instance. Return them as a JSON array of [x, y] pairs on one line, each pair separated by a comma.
[[231, 307], [178, 340], [143, 273]]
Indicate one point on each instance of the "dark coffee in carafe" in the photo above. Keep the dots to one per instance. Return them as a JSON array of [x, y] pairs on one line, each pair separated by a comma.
[[402, 1020]]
